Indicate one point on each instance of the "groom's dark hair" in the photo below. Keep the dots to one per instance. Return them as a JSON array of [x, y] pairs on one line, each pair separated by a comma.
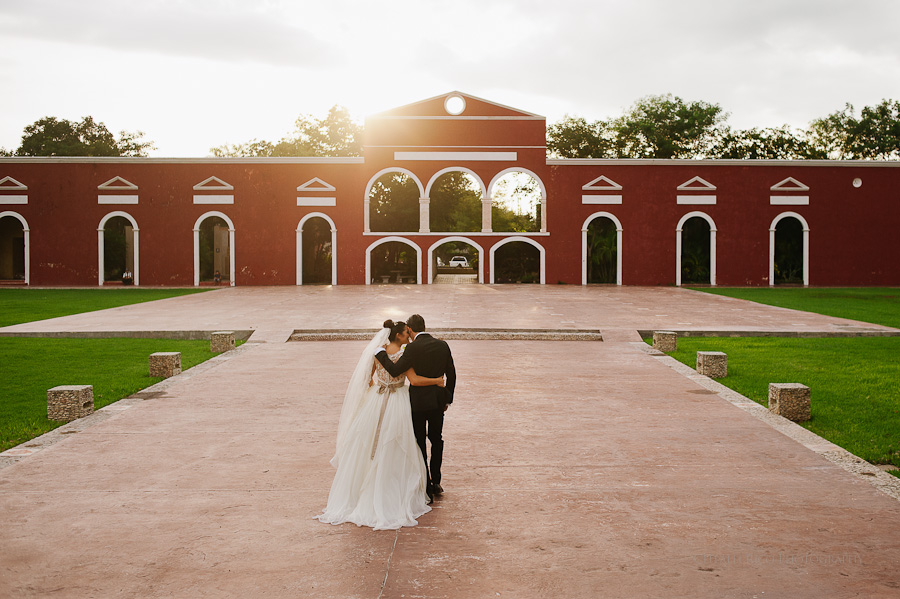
[[416, 323]]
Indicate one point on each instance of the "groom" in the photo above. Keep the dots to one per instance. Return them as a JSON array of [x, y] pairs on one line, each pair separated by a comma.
[[432, 358]]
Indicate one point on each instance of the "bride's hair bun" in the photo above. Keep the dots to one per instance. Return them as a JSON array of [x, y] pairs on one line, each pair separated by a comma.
[[388, 324]]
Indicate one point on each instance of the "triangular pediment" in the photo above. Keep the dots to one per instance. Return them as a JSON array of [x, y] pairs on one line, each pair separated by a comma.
[[444, 106], [10, 184], [789, 184], [118, 183], [316, 184], [696, 184], [213, 184], [602, 183]]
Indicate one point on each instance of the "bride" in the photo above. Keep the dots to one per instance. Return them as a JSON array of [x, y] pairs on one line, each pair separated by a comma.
[[380, 479]]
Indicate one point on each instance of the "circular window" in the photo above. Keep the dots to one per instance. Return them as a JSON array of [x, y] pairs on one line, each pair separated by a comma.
[[857, 182], [454, 105]]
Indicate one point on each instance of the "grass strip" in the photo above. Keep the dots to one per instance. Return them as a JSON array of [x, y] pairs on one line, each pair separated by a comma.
[[853, 383], [877, 305], [116, 368], [27, 305]]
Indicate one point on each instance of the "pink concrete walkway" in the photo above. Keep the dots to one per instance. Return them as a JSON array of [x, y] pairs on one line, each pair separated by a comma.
[[572, 470]]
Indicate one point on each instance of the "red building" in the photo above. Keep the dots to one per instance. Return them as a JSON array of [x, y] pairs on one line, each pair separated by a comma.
[[84, 221]]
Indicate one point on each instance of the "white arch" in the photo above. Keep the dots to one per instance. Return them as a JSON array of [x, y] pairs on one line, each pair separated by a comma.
[[805, 246], [712, 245], [441, 242], [375, 177], [451, 169], [526, 240], [300, 246], [519, 169], [584, 232], [386, 240], [101, 252], [230, 224], [27, 241]]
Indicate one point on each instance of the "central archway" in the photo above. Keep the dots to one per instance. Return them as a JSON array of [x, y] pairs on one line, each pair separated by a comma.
[[683, 230], [606, 240], [119, 249], [311, 232], [432, 272], [526, 240]]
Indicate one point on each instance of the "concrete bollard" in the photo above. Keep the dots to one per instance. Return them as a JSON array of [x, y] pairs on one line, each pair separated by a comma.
[[665, 341], [221, 341], [791, 400], [68, 402], [713, 364], [165, 364]]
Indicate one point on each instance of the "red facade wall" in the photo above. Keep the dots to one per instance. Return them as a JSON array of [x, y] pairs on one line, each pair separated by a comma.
[[851, 238]]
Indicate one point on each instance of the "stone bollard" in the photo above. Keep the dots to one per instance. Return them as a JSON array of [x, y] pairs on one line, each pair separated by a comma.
[[665, 341], [165, 364], [791, 400], [68, 402], [713, 364], [221, 341]]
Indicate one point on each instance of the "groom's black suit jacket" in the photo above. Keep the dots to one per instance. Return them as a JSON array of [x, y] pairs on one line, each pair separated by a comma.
[[432, 358]]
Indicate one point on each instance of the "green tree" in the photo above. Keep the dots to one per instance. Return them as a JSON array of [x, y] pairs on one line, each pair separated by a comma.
[[575, 137], [394, 203], [875, 134], [771, 143], [455, 203], [668, 127], [50, 136], [335, 135]]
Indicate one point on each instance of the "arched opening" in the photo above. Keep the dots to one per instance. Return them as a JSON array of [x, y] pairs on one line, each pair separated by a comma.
[[118, 255], [695, 250], [602, 240], [393, 260], [316, 246], [517, 260], [695, 254], [518, 202], [118, 251], [455, 260], [393, 203], [12, 249], [788, 257], [213, 250], [455, 202]]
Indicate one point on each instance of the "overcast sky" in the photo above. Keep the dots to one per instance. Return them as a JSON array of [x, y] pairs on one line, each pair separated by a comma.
[[193, 74]]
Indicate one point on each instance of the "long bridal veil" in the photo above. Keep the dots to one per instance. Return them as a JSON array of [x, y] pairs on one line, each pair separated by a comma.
[[356, 390]]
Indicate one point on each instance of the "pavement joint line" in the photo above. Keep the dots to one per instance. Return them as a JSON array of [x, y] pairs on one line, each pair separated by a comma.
[[27, 449], [861, 469]]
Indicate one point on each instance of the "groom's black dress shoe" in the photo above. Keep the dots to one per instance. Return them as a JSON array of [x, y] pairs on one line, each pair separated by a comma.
[[437, 489]]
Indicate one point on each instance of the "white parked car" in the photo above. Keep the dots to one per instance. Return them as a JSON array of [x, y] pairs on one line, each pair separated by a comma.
[[459, 261]]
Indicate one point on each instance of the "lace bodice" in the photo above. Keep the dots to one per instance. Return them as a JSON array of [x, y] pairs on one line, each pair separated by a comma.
[[382, 376]]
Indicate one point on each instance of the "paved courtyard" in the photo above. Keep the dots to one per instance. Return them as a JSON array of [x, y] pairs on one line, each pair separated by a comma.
[[572, 469]]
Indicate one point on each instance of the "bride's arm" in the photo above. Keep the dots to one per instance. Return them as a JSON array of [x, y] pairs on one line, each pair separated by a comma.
[[422, 381]]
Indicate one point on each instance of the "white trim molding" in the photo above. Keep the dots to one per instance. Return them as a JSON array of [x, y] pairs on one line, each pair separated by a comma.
[[701, 185], [601, 183], [451, 169], [462, 239], [389, 239], [458, 156], [316, 184], [789, 200], [26, 231], [14, 199], [523, 239], [698, 200], [712, 245], [231, 253], [601, 199], [789, 184], [805, 226], [117, 199], [213, 184], [214, 199], [10, 184], [118, 184], [316, 201], [584, 241], [300, 246], [101, 251]]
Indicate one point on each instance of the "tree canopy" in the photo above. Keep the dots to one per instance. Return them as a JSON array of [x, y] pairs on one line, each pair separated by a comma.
[[667, 126], [50, 136], [335, 135]]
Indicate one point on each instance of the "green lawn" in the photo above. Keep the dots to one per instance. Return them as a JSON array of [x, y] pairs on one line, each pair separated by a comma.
[[866, 304], [853, 382], [26, 305], [116, 368]]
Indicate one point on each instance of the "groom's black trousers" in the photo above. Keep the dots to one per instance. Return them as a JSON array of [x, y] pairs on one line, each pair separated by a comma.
[[430, 423]]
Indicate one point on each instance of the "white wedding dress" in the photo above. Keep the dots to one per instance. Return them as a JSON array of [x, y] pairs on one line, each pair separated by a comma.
[[380, 479]]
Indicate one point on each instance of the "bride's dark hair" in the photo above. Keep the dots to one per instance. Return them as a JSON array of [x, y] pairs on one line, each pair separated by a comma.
[[395, 327]]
